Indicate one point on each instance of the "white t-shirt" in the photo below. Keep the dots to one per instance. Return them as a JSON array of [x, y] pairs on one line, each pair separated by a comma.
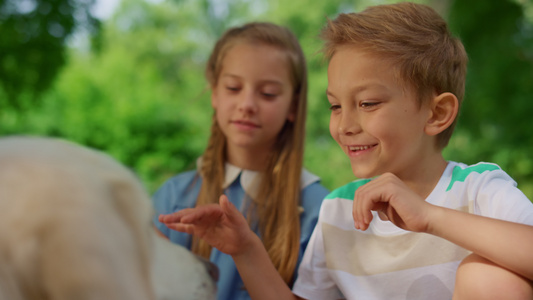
[[386, 262]]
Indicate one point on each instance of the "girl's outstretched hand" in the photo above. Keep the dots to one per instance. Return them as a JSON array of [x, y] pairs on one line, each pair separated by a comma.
[[221, 225], [393, 201]]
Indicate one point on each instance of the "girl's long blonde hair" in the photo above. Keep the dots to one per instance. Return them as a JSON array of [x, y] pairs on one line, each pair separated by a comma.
[[276, 205]]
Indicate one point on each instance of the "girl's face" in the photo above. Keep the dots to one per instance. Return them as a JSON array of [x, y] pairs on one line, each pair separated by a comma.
[[253, 97]]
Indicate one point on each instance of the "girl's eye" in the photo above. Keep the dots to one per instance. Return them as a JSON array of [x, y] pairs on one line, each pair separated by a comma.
[[232, 88], [269, 95]]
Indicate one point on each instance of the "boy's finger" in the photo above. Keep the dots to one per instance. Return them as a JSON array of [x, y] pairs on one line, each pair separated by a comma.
[[357, 212]]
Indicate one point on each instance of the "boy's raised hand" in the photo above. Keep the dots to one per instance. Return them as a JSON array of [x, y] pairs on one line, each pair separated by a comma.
[[221, 226], [394, 201]]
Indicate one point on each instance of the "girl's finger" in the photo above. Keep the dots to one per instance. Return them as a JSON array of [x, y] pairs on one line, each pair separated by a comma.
[[175, 217], [201, 214], [231, 212], [187, 228], [169, 218]]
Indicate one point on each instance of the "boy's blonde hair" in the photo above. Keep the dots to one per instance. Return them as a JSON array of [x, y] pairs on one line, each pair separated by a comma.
[[415, 39], [275, 210]]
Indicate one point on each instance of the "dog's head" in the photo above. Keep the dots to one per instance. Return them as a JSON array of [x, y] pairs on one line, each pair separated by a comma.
[[76, 224]]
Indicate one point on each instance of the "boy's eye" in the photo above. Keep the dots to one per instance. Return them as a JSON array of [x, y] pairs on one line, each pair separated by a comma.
[[368, 104], [334, 107]]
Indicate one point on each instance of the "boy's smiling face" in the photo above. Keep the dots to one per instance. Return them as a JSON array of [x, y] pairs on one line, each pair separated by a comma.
[[375, 116]]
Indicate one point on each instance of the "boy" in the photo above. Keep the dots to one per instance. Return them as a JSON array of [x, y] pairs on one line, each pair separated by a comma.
[[425, 228]]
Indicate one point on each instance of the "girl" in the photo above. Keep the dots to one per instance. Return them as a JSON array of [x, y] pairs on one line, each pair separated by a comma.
[[257, 75]]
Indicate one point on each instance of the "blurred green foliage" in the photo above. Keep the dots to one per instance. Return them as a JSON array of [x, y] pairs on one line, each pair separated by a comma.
[[32, 44], [141, 95], [494, 124]]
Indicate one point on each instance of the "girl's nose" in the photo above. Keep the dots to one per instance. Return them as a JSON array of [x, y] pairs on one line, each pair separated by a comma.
[[248, 102]]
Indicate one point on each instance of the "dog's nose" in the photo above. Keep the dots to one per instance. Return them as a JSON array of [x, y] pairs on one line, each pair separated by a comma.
[[212, 269]]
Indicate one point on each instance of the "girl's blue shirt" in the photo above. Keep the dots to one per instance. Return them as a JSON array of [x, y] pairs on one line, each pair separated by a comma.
[[181, 191]]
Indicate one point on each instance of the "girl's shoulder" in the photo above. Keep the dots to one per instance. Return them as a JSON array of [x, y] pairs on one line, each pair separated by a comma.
[[185, 176], [179, 184], [312, 190], [309, 179]]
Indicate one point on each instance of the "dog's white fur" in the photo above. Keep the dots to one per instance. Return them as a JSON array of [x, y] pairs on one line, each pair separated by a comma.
[[76, 224]]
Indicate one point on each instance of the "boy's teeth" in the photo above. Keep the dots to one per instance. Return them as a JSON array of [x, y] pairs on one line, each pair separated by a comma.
[[357, 148]]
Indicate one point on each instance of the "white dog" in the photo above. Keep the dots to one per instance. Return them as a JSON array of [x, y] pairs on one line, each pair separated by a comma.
[[75, 224]]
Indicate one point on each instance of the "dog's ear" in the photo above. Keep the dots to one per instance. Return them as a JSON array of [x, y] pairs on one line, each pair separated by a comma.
[[107, 255], [132, 203], [9, 289]]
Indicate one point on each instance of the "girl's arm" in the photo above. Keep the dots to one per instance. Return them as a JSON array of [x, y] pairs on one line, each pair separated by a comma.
[[260, 277], [225, 228]]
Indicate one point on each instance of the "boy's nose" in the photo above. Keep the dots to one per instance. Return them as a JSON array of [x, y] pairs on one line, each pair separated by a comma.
[[348, 124]]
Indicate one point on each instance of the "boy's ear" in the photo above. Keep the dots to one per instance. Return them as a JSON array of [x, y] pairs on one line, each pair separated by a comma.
[[443, 111]]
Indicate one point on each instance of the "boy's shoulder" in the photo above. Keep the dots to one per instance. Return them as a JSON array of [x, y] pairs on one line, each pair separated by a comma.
[[459, 172], [456, 172], [347, 191], [462, 169]]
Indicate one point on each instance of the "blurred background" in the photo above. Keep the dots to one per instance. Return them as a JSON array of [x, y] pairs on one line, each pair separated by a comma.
[[126, 77]]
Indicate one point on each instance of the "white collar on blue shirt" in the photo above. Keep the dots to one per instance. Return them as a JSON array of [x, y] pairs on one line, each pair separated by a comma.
[[248, 177]]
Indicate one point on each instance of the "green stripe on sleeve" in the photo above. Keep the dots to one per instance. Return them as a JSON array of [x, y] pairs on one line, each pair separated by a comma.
[[347, 191], [459, 174]]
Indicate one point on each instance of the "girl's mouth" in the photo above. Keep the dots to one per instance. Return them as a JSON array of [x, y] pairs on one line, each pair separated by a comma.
[[245, 125]]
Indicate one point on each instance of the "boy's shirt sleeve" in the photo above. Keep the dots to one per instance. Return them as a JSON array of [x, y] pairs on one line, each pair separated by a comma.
[[314, 281], [501, 198], [311, 201], [491, 192]]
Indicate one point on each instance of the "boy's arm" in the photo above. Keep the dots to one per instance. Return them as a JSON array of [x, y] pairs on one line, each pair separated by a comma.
[[505, 243], [225, 228]]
